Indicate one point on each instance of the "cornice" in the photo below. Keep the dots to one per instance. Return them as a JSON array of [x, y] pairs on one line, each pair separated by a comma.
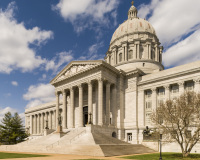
[[170, 76], [142, 60]]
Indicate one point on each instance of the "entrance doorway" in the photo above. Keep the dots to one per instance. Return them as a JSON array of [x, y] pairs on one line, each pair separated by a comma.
[[85, 115]]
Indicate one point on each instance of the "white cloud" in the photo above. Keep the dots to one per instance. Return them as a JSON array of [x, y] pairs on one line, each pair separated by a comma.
[[5, 110], [14, 83], [173, 20], [62, 58], [83, 14], [15, 40], [38, 94], [185, 51]]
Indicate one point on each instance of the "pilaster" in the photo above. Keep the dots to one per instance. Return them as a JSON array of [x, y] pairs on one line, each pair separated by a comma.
[[154, 99]]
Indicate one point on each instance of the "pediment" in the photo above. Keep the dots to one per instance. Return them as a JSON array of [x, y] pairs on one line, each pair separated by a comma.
[[74, 68]]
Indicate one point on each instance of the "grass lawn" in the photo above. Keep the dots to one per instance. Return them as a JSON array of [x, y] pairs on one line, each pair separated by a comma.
[[165, 156], [4, 155]]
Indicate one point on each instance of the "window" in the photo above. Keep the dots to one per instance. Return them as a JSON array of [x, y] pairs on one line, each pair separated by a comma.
[[148, 106], [189, 86], [148, 119], [129, 137], [130, 54], [120, 57], [175, 89], [148, 94], [160, 101], [161, 91]]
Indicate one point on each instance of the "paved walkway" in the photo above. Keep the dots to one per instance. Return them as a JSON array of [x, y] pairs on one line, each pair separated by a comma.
[[62, 157]]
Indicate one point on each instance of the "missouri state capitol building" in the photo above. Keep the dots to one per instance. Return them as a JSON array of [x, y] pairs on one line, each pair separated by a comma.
[[116, 96]]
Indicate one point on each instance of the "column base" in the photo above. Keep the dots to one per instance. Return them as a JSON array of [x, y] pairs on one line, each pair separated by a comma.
[[59, 129]]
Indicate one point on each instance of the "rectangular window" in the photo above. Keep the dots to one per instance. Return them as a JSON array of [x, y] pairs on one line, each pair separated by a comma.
[[161, 91], [175, 89], [129, 137], [148, 94], [189, 86], [148, 106]]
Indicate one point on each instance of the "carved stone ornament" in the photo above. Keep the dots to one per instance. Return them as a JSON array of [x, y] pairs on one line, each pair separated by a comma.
[[75, 69]]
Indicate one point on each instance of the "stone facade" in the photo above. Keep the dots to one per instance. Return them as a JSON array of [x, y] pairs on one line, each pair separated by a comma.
[[120, 93]]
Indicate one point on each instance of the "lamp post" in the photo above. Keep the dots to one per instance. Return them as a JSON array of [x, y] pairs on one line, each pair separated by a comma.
[[160, 122], [160, 146]]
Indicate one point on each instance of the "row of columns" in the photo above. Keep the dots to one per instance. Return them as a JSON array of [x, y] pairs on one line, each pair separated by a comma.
[[38, 122], [136, 53], [90, 104]]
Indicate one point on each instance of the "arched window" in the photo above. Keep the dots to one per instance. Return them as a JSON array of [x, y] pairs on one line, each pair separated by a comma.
[[114, 135], [130, 54], [120, 57]]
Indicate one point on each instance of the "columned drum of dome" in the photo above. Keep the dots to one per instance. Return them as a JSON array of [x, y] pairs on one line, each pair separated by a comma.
[[134, 44]]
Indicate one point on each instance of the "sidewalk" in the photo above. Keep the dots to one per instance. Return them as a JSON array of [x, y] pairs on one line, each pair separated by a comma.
[[62, 157]]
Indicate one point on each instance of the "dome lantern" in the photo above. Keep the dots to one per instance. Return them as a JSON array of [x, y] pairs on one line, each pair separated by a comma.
[[132, 13]]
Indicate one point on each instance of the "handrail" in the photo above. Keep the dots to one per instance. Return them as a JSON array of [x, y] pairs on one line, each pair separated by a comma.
[[84, 131], [58, 142]]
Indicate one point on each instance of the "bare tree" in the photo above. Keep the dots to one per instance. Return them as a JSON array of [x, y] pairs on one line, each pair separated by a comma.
[[179, 120]]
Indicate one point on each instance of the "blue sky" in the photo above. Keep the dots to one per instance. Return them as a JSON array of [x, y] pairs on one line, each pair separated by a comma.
[[39, 38]]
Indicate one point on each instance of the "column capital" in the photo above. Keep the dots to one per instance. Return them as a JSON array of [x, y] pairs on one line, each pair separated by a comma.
[[100, 79], [181, 83], [153, 89], [64, 91], [57, 93], [80, 86], [108, 83], [71, 88], [196, 81], [167, 86], [89, 82]]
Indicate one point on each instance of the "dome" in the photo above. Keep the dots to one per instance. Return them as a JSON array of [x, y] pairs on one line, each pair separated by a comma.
[[132, 25], [135, 45]]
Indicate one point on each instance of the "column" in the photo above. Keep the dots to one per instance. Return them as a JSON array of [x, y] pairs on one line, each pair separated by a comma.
[[138, 51], [197, 85], [72, 108], [135, 52], [80, 87], [156, 53], [108, 103], [35, 124], [55, 119], [100, 102], [64, 110], [167, 92], [114, 106], [46, 119], [42, 122], [31, 124], [57, 108], [90, 109], [125, 53], [181, 88], [38, 124], [95, 116], [154, 99], [50, 120]]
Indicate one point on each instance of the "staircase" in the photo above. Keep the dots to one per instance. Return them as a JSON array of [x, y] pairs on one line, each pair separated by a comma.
[[79, 141]]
